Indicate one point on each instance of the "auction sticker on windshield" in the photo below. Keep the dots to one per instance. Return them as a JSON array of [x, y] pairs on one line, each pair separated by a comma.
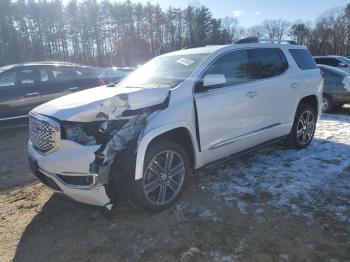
[[185, 61]]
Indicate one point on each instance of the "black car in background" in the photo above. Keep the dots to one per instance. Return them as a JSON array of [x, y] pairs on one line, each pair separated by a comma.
[[114, 74], [336, 89], [24, 86]]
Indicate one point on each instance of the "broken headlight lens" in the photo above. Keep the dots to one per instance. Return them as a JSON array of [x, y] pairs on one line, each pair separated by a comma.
[[104, 127], [91, 133]]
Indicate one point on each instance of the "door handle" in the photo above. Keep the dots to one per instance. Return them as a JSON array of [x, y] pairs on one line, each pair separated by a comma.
[[251, 94], [32, 94], [74, 88], [295, 85]]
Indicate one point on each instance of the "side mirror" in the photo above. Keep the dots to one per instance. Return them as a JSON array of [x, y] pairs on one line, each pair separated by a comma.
[[214, 80], [342, 65]]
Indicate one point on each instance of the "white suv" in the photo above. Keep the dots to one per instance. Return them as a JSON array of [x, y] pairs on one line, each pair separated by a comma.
[[179, 112]]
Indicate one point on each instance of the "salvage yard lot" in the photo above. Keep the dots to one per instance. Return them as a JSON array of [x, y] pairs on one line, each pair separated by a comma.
[[272, 205]]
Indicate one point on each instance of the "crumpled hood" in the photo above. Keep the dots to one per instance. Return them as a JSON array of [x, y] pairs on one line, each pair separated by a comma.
[[88, 105]]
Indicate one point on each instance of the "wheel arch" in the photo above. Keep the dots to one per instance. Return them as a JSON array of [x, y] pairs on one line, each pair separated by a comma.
[[311, 100], [179, 133]]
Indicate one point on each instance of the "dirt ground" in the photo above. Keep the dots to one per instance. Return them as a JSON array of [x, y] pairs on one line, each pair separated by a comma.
[[273, 205]]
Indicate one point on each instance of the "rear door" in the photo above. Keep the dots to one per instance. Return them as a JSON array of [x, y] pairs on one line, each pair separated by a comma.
[[20, 91]]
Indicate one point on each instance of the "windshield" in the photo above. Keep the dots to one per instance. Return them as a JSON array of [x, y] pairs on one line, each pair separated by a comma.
[[164, 71]]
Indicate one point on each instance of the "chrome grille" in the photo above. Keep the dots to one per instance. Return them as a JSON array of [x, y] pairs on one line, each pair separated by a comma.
[[44, 133]]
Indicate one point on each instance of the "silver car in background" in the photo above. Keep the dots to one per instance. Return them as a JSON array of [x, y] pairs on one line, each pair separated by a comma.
[[336, 89]]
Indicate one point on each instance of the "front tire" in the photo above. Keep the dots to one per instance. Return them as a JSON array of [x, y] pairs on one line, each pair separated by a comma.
[[304, 127], [166, 168]]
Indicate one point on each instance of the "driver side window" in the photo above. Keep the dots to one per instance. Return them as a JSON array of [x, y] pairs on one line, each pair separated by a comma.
[[232, 66]]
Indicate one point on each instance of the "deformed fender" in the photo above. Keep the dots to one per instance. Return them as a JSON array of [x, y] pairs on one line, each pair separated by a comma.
[[147, 138]]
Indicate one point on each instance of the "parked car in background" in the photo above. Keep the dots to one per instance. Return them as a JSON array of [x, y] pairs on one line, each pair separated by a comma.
[[115, 74], [25, 86], [341, 62], [336, 89], [178, 112]]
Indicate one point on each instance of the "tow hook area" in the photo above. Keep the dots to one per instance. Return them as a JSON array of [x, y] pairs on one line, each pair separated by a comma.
[[107, 210]]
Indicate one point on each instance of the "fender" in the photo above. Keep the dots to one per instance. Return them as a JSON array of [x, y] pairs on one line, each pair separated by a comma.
[[147, 137]]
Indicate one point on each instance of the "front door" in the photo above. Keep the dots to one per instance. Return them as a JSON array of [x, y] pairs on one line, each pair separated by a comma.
[[19, 92], [245, 111]]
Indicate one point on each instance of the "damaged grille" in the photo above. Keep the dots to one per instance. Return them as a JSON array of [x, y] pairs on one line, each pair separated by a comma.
[[44, 133]]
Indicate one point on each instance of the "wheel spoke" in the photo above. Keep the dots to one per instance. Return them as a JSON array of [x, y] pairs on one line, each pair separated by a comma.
[[173, 185], [156, 168], [149, 188], [162, 194], [177, 170], [308, 116], [169, 159], [304, 137], [299, 132]]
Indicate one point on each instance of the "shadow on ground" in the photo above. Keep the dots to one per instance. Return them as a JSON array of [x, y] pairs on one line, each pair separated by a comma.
[[207, 225]]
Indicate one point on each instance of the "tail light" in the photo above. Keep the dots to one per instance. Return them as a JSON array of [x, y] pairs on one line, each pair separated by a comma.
[[100, 82]]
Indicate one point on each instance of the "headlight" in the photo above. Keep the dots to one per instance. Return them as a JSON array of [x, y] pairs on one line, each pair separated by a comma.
[[79, 133], [91, 133]]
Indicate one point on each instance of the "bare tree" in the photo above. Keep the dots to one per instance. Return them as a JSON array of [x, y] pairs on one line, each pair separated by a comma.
[[233, 29], [255, 31], [299, 31], [276, 29]]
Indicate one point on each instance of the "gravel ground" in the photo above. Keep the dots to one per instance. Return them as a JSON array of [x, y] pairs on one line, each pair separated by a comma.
[[273, 205]]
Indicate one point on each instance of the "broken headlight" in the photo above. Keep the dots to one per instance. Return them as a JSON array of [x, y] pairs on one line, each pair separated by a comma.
[[91, 133]]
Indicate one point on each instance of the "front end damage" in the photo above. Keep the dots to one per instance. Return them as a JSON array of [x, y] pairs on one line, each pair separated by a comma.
[[117, 126]]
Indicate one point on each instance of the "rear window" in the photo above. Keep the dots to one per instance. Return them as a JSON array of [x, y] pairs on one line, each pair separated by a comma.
[[303, 58]]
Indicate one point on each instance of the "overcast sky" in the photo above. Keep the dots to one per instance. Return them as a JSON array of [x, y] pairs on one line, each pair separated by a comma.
[[252, 12]]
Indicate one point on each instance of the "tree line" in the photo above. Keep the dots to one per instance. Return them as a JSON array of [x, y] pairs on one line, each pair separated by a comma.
[[126, 34]]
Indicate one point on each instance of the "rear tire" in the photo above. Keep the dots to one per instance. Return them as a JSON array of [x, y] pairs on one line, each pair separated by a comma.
[[327, 104], [304, 127], [166, 168]]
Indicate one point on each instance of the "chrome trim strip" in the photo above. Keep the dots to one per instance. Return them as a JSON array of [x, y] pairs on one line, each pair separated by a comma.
[[232, 140], [13, 117], [55, 177]]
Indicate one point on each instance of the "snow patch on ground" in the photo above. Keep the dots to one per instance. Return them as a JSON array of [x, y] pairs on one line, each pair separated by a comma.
[[306, 182]]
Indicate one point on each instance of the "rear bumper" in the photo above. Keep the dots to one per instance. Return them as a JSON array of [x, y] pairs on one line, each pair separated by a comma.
[[80, 186]]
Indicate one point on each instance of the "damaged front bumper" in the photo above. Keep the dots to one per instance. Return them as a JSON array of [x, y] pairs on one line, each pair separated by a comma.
[[66, 171]]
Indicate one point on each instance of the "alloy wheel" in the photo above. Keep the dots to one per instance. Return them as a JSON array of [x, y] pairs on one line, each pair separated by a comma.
[[306, 127], [164, 177]]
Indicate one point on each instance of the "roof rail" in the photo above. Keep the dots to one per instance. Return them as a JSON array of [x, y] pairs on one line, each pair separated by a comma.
[[52, 62], [265, 41]]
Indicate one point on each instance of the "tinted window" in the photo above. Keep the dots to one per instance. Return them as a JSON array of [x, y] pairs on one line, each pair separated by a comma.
[[7, 79], [44, 75], [232, 66], [243, 66], [27, 77], [328, 61], [303, 58], [265, 63]]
